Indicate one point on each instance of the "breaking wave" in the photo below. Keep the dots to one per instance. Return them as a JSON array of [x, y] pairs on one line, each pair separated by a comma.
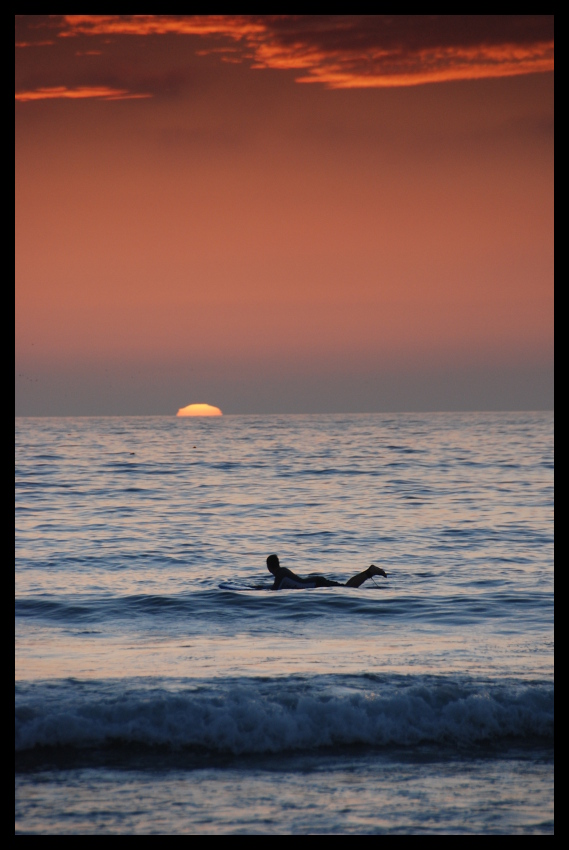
[[261, 716]]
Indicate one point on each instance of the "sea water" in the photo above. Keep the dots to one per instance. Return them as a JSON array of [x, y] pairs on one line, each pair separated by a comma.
[[163, 687]]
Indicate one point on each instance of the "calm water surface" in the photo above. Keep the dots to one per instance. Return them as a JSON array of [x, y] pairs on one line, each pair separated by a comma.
[[158, 690]]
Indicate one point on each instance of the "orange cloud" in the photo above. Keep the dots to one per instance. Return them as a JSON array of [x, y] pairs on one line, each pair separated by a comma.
[[34, 43], [235, 26], [436, 66], [101, 92], [359, 51]]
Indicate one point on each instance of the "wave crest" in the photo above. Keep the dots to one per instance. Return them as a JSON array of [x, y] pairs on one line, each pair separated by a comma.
[[278, 716]]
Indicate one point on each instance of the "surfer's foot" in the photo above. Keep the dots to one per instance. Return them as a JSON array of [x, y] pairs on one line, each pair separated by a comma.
[[376, 571]]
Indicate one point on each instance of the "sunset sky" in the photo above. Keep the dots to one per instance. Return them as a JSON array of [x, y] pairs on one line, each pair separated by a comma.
[[283, 214]]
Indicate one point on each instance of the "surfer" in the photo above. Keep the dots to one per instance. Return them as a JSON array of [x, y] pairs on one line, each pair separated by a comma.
[[287, 580]]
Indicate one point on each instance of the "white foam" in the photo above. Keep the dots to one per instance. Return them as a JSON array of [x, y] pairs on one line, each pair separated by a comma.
[[251, 716]]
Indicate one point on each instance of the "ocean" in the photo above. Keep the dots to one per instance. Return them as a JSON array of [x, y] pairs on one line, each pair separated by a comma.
[[162, 686]]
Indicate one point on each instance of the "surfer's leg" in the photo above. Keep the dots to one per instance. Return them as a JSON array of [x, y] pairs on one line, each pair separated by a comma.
[[321, 581], [357, 580], [371, 571]]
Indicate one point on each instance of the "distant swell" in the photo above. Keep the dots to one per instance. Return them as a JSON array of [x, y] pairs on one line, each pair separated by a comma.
[[278, 716]]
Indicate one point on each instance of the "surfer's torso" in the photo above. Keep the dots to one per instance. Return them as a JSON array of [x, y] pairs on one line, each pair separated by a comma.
[[287, 580]]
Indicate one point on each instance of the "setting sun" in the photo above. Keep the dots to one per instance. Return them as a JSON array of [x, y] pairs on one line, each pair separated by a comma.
[[199, 410]]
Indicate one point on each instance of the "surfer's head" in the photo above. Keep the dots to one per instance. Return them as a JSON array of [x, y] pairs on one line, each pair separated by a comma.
[[272, 564]]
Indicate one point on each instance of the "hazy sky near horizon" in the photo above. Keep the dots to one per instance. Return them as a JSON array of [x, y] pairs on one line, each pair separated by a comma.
[[286, 214]]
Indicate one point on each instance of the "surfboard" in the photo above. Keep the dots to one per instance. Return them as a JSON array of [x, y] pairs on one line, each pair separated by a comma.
[[241, 585]]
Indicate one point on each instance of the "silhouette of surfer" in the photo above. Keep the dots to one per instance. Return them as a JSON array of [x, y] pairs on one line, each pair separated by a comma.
[[287, 580]]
